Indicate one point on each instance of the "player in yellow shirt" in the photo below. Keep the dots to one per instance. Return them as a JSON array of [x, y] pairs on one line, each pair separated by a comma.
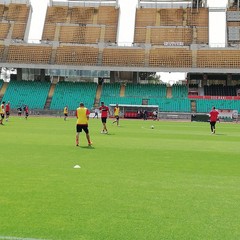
[[82, 114], [2, 112], [116, 114], [65, 112]]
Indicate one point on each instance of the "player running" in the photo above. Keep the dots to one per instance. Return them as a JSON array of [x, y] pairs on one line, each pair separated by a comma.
[[213, 119], [116, 114], [104, 115]]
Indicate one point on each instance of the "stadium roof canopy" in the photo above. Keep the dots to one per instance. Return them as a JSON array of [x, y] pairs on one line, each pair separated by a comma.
[[90, 3], [172, 3]]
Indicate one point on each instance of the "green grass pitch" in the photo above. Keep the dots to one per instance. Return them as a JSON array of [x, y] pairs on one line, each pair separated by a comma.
[[173, 182]]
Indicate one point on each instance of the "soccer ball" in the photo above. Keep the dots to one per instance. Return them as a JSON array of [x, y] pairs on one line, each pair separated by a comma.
[[152, 127]]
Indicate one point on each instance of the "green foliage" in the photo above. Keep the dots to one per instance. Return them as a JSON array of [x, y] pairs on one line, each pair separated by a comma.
[[176, 181]]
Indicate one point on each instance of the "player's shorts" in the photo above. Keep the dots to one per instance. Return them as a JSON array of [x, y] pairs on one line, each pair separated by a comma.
[[117, 117], [7, 113], [212, 123], [2, 115], [79, 128], [104, 119], [26, 114], [65, 114]]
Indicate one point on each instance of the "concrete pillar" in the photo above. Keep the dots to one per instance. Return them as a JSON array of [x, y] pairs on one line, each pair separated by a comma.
[[19, 74], [42, 75]]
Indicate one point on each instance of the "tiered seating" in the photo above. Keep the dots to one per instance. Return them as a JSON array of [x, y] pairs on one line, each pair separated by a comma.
[[218, 58], [197, 17], [19, 14], [56, 14], [111, 89], [1, 51], [76, 55], [140, 35], [48, 32], [111, 93], [145, 17], [71, 94], [2, 7], [173, 34], [220, 90], [179, 91], [80, 34], [108, 15], [83, 15], [122, 100], [170, 57], [123, 57], [89, 24], [29, 54], [146, 90], [18, 30], [4, 30], [134, 93], [171, 105], [202, 35], [171, 17], [172, 25], [205, 106], [33, 94]]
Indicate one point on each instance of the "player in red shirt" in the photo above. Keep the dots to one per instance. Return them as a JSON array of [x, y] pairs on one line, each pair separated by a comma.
[[104, 115], [213, 119], [7, 110], [26, 110]]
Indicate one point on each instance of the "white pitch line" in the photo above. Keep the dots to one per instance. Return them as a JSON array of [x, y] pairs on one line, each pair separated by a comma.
[[17, 238]]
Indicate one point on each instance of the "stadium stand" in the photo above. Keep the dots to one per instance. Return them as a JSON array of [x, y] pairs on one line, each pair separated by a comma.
[[204, 106], [220, 58], [123, 57], [179, 26], [163, 35], [31, 93], [146, 90], [72, 93], [81, 24], [29, 54], [1, 51], [171, 105], [4, 26], [179, 91], [80, 34], [76, 55], [16, 14], [111, 89], [220, 90], [170, 57]]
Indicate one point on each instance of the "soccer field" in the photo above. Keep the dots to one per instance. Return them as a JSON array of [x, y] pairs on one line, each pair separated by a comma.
[[173, 182]]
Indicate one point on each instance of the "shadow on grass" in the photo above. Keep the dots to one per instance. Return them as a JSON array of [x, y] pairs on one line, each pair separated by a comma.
[[87, 147], [109, 134]]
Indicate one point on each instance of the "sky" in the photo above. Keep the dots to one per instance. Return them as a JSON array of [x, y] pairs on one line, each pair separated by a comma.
[[217, 27]]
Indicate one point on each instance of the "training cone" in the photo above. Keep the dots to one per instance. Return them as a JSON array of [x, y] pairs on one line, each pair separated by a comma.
[[76, 166]]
